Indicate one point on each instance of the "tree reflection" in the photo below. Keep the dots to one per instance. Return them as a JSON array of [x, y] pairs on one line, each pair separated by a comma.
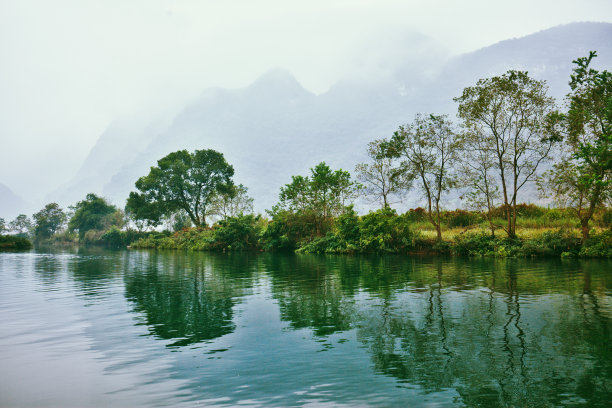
[[188, 298], [498, 332], [311, 293]]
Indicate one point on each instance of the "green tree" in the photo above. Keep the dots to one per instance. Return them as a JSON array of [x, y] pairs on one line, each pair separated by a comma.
[[515, 121], [20, 225], [232, 203], [48, 221], [323, 195], [93, 213], [2, 226], [582, 178], [382, 177], [144, 214], [428, 147], [477, 174], [182, 181]]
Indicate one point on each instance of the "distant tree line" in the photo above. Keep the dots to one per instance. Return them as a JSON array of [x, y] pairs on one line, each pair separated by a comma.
[[510, 134]]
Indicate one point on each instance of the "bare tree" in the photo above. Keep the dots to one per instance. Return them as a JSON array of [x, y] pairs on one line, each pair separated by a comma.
[[382, 176], [511, 118], [429, 147]]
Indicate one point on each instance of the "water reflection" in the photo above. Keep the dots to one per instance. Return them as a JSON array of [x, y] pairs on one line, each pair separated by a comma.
[[498, 332], [475, 332], [187, 298]]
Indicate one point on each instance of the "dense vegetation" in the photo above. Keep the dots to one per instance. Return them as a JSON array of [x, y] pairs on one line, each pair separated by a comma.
[[509, 136], [12, 242]]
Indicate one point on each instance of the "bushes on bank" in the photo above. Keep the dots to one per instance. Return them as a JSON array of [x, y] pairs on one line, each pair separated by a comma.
[[598, 246], [381, 232], [14, 243]]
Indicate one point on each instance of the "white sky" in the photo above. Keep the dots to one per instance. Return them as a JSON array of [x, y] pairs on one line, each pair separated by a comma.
[[69, 67]]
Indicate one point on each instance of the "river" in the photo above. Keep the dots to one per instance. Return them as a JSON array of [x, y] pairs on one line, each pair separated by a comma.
[[145, 329]]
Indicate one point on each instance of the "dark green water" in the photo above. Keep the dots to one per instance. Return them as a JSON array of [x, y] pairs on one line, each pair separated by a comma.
[[173, 329]]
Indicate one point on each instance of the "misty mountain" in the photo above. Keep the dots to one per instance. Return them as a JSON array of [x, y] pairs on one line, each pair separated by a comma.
[[11, 205], [275, 128]]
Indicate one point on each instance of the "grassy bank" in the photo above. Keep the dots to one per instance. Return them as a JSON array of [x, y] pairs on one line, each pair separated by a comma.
[[541, 232]]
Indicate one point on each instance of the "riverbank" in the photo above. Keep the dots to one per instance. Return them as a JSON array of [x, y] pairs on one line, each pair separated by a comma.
[[542, 242], [14, 243]]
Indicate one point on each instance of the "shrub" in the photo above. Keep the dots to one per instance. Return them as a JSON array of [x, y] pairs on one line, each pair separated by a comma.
[[348, 226], [12, 242], [598, 246], [416, 214], [384, 231], [474, 244], [330, 243], [237, 233], [606, 218], [551, 243], [460, 218]]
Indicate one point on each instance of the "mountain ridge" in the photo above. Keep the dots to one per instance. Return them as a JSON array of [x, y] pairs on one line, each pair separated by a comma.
[[275, 128]]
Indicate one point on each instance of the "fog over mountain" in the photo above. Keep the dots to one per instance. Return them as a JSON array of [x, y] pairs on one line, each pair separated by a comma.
[[275, 128], [11, 204]]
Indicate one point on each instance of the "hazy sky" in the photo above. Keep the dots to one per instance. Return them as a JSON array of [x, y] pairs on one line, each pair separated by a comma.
[[69, 68]]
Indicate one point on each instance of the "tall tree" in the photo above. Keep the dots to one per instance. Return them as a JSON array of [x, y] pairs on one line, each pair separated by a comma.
[[48, 221], [232, 203], [382, 176], [323, 194], [2, 226], [93, 213], [428, 147], [21, 224], [477, 175], [182, 181], [582, 178], [513, 119]]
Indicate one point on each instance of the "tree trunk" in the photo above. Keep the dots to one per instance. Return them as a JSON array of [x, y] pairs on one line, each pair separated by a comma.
[[584, 226]]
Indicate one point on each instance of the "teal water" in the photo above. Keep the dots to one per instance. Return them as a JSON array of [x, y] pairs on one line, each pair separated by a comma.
[[146, 329]]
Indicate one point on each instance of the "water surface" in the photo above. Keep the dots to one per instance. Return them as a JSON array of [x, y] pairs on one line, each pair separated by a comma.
[[139, 328]]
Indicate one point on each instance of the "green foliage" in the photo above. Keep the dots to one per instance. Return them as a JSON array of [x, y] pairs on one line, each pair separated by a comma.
[[551, 243], [510, 128], [94, 213], [416, 214], [475, 244], [598, 246], [348, 226], [20, 225], [116, 238], [318, 197], [382, 176], [287, 229], [237, 233], [383, 231], [582, 179], [460, 218], [144, 213], [428, 148], [3, 227], [48, 221], [232, 203], [14, 243], [181, 181], [179, 221], [606, 218]]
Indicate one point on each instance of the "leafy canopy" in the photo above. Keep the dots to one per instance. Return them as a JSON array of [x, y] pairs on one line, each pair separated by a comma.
[[93, 213], [48, 221], [181, 181]]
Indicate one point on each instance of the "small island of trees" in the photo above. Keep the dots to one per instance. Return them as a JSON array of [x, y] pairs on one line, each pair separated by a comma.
[[511, 135]]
